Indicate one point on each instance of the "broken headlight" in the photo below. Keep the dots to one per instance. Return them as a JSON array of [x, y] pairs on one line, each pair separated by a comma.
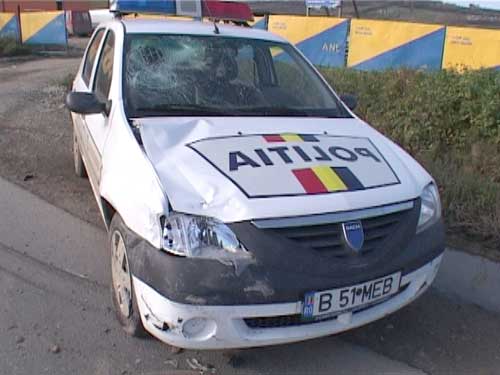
[[430, 208], [200, 237]]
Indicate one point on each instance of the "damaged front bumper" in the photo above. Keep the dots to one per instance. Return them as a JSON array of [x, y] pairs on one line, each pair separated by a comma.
[[220, 327]]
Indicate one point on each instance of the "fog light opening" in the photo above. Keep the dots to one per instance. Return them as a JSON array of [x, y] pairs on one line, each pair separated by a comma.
[[199, 328]]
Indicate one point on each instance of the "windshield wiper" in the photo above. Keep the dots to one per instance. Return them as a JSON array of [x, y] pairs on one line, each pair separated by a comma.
[[185, 110], [272, 111], [287, 111], [201, 110]]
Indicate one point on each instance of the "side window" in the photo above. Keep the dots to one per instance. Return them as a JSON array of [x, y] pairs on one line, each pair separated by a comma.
[[91, 54], [104, 73]]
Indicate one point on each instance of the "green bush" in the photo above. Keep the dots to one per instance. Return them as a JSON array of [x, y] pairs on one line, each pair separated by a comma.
[[450, 122], [10, 47]]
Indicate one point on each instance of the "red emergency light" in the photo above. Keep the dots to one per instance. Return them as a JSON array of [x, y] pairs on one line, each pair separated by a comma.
[[226, 11]]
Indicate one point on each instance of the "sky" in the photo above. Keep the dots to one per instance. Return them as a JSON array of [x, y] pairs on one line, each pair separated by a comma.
[[494, 4]]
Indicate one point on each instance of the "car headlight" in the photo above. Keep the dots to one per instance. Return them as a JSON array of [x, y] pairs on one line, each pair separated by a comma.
[[201, 237], [430, 208]]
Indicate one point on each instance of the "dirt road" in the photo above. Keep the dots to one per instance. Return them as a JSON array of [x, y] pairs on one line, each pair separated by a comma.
[[35, 134], [56, 317]]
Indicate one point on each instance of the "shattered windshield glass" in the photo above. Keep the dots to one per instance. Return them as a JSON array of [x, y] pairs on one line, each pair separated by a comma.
[[221, 76]]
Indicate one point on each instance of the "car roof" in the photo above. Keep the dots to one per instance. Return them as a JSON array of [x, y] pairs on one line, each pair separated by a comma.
[[168, 26]]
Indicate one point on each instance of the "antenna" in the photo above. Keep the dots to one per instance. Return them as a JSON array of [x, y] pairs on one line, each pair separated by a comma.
[[216, 28]]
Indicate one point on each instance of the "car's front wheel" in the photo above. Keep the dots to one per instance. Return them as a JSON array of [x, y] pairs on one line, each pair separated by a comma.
[[124, 299]]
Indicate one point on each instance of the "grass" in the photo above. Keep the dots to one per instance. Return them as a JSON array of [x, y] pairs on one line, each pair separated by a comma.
[[448, 121], [9, 47]]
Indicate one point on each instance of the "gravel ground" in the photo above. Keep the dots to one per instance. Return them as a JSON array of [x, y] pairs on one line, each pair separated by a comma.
[[35, 134]]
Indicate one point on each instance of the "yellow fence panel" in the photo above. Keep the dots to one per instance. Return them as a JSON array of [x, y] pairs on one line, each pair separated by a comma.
[[471, 48], [376, 45]]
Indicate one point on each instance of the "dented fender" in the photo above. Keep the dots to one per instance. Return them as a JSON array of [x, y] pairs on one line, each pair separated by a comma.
[[129, 182]]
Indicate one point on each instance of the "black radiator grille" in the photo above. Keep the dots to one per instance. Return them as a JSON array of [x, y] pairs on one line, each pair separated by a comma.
[[328, 238]]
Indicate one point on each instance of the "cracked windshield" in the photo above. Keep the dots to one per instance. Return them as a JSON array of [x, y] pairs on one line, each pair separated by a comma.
[[177, 74]]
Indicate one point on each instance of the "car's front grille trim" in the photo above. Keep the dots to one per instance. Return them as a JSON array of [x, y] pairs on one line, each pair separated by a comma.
[[334, 217]]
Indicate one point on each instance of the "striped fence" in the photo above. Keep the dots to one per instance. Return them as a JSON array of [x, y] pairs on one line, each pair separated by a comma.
[[44, 28], [9, 26], [322, 39], [259, 23], [379, 45]]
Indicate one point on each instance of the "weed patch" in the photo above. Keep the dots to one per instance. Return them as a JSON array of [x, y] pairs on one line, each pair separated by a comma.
[[10, 47], [448, 121]]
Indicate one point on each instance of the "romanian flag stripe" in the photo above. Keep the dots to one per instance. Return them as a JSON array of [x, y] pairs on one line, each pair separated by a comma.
[[324, 179], [273, 138], [348, 178], [309, 138], [291, 137], [288, 137], [309, 181], [329, 178]]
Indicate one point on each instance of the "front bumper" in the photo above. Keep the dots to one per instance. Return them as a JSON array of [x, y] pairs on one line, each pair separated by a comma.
[[284, 270], [225, 326]]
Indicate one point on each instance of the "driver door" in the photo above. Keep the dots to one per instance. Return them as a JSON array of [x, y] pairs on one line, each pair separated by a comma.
[[96, 125]]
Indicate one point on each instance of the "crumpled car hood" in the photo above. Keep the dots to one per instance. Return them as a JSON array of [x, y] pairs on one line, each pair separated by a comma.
[[243, 168]]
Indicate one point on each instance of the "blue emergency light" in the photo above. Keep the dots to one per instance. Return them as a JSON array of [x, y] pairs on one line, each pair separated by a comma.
[[143, 6]]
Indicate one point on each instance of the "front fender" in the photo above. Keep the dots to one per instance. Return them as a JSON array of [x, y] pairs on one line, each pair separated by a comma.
[[129, 182]]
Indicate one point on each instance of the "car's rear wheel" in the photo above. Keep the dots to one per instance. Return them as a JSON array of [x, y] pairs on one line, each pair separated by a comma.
[[80, 170], [124, 299]]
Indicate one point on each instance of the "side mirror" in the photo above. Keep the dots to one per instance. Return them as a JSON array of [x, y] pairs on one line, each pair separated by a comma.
[[350, 101], [85, 103]]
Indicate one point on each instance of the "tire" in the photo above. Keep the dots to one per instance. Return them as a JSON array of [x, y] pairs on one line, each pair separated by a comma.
[[122, 288], [80, 170]]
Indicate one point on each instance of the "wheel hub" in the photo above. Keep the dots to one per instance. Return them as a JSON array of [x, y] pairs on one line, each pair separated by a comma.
[[122, 282]]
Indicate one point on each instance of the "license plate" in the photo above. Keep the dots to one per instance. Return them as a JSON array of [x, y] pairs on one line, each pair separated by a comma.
[[341, 299]]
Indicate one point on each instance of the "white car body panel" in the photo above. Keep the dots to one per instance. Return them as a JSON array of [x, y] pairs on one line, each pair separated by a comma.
[[195, 28]]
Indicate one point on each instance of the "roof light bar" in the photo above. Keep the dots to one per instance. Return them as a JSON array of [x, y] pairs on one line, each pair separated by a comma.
[[143, 6], [231, 11], [227, 11]]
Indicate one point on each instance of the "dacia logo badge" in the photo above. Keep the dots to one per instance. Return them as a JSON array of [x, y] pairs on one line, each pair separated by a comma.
[[354, 235]]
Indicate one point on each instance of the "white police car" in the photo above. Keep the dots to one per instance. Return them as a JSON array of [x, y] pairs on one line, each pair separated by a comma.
[[246, 204]]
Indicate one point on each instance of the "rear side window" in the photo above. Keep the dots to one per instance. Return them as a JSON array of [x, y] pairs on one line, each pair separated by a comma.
[[91, 54], [104, 72]]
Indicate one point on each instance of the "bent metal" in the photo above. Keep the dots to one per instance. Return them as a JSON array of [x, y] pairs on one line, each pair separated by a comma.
[[287, 155]]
